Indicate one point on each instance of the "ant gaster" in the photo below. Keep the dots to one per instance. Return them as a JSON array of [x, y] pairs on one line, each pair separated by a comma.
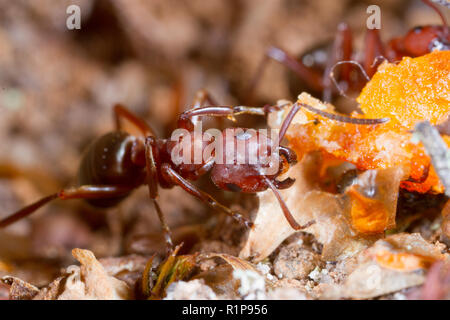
[[117, 163]]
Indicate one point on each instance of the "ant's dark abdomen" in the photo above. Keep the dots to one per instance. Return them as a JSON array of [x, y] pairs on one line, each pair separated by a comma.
[[108, 161]]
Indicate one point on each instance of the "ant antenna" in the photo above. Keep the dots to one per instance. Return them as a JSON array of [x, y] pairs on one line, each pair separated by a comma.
[[345, 119], [337, 117], [435, 8], [336, 84]]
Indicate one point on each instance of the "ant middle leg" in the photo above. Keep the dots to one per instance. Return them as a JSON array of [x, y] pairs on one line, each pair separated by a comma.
[[152, 183], [310, 76], [94, 192], [172, 176]]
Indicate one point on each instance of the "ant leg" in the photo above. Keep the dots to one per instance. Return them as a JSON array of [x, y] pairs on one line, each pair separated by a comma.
[[287, 213], [152, 183], [341, 51], [152, 175], [439, 12], [311, 77], [82, 192], [373, 50], [174, 177], [120, 112]]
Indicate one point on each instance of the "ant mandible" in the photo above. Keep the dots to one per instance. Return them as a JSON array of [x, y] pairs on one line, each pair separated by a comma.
[[117, 163], [317, 73]]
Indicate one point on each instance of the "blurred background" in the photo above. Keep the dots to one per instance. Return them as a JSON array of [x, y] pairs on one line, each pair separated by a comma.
[[58, 86]]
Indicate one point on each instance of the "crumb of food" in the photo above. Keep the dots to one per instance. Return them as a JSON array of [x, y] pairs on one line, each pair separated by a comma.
[[416, 89]]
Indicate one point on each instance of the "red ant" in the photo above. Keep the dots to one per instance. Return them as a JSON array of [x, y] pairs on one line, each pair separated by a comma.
[[317, 73], [117, 163]]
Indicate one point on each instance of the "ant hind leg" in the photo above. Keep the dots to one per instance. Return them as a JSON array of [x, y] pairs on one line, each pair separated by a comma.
[[82, 192]]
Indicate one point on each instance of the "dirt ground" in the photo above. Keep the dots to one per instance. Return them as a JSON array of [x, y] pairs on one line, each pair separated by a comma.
[[58, 87]]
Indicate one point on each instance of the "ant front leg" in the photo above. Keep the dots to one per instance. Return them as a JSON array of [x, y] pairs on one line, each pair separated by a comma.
[[308, 75], [171, 175], [82, 192]]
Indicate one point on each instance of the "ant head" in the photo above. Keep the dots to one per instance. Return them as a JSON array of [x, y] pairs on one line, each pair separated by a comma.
[[422, 40]]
